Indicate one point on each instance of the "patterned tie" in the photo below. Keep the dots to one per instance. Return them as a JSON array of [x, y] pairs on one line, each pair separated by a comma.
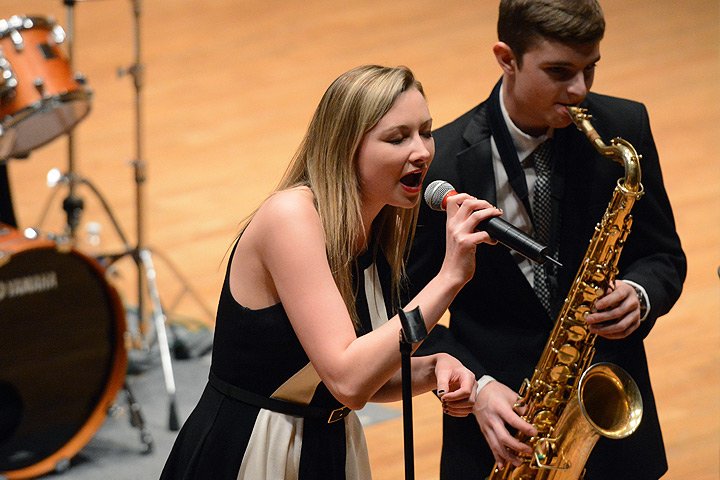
[[542, 216]]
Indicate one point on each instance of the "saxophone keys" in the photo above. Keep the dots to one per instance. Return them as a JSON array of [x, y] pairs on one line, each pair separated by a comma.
[[576, 333], [560, 373], [553, 399], [523, 472], [581, 312], [544, 420], [568, 354], [590, 292]]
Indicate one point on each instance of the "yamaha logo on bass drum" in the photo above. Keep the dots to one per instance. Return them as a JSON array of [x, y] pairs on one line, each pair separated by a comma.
[[28, 285]]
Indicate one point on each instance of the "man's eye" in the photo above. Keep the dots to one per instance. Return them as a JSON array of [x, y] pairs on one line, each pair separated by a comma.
[[590, 68], [559, 72]]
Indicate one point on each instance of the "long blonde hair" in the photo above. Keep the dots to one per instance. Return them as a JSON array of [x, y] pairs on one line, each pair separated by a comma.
[[326, 162]]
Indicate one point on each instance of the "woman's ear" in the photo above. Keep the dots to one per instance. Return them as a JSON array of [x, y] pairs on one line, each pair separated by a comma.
[[505, 57]]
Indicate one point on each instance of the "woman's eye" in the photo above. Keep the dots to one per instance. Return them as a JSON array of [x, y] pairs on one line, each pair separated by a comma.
[[396, 141], [427, 134]]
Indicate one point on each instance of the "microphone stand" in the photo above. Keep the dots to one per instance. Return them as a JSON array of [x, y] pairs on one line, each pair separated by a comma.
[[413, 331]]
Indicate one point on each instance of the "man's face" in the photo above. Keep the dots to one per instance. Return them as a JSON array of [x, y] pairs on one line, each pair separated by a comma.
[[552, 76]]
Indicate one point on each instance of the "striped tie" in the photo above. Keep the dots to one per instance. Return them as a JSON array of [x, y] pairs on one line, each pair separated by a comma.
[[542, 216]]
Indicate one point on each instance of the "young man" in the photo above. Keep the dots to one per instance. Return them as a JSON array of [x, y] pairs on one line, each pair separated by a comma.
[[547, 52]]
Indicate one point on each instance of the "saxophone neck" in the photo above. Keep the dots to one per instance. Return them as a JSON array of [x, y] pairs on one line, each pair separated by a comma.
[[619, 150]]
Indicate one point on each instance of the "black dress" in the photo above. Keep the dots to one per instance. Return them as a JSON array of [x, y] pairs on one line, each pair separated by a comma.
[[233, 433]]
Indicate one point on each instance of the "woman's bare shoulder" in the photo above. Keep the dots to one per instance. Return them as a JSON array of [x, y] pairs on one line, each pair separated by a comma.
[[288, 211]]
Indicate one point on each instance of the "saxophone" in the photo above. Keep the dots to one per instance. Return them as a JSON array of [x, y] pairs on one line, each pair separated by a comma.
[[569, 402]]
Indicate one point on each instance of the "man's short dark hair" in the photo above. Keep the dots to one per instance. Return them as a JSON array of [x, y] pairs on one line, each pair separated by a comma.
[[522, 23]]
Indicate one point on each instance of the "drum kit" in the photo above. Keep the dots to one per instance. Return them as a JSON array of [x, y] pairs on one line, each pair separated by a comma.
[[64, 343]]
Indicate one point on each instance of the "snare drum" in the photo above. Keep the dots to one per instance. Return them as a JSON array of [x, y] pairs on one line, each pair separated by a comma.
[[62, 353], [40, 98]]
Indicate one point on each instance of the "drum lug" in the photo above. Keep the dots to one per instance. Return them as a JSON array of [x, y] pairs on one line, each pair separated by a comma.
[[17, 40], [58, 34], [39, 85], [9, 81], [80, 78]]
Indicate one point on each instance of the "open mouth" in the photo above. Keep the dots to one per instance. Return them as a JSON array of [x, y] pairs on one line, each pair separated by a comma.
[[412, 180]]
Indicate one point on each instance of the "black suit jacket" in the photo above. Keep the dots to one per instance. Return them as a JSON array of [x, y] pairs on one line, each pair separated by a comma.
[[498, 326]]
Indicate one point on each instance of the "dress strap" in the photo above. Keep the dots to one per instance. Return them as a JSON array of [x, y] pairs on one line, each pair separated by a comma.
[[275, 405]]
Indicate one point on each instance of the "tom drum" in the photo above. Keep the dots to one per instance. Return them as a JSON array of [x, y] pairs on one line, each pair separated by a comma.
[[40, 97]]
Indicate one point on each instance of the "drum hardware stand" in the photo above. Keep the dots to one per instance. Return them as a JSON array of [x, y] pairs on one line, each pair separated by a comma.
[[141, 255], [147, 277], [72, 204], [137, 420]]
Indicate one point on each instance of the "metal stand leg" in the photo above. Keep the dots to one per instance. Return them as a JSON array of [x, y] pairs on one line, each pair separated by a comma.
[[143, 259], [159, 317], [138, 421]]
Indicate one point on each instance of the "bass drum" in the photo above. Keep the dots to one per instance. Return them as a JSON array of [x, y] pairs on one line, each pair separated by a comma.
[[62, 353]]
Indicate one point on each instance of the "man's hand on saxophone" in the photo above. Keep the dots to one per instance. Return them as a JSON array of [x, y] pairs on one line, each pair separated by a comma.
[[494, 410], [617, 314]]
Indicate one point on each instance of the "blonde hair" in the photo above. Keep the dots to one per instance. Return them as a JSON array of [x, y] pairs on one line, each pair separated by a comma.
[[326, 162]]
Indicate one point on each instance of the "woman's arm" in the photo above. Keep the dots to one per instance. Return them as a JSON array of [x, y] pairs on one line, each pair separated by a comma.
[[288, 237], [455, 385]]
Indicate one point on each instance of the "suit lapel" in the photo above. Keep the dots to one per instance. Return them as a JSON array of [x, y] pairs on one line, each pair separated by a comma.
[[476, 172], [474, 163], [476, 176]]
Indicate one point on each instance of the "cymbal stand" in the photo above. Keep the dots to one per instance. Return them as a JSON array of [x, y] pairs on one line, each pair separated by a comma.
[[141, 255], [72, 204], [146, 275]]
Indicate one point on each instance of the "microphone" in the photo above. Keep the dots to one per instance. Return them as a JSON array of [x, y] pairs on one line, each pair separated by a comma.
[[509, 235]]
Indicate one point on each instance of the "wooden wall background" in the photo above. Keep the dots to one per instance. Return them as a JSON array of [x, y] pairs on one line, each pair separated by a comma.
[[229, 89]]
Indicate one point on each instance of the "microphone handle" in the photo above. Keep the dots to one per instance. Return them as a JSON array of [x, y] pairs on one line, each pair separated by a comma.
[[515, 239]]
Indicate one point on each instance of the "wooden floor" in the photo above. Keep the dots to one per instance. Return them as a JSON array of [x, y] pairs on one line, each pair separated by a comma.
[[230, 87]]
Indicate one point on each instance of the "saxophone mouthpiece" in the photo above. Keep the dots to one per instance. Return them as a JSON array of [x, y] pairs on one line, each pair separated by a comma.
[[578, 112]]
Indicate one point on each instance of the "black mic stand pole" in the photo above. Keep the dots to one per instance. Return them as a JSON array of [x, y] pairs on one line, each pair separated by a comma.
[[413, 331]]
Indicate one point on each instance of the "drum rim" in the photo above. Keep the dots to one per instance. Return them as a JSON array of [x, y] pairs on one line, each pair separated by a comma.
[[113, 385], [12, 122], [17, 22]]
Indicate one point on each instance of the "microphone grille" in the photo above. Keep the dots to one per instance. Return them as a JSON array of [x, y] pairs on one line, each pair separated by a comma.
[[436, 192]]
